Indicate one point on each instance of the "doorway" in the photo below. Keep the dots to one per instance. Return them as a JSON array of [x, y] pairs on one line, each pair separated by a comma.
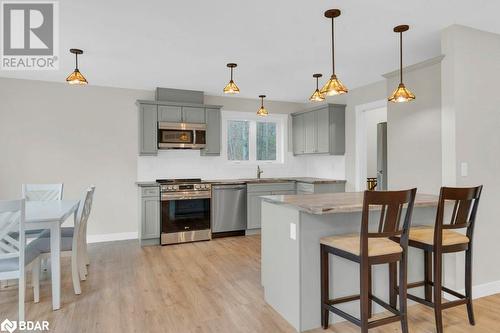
[[371, 146]]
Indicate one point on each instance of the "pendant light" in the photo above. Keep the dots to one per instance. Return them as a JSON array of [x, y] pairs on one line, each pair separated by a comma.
[[262, 111], [333, 86], [317, 96], [76, 77], [401, 94], [231, 87]]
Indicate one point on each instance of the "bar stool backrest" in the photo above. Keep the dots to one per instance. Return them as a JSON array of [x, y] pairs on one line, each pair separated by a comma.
[[42, 192], [391, 205], [12, 221], [466, 202]]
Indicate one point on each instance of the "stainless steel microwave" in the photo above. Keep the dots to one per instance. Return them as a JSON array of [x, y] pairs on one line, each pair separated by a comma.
[[181, 135]]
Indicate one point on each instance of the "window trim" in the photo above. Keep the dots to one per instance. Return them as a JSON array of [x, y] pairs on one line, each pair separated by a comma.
[[281, 127]]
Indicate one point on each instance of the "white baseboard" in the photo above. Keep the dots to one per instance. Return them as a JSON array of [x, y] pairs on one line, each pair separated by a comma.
[[112, 237], [481, 290]]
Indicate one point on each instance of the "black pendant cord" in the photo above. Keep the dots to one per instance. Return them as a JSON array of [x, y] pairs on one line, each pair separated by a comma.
[[262, 102], [333, 48], [401, 57], [317, 82], [76, 58], [231, 73]]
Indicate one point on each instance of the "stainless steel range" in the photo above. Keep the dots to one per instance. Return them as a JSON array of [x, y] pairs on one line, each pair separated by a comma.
[[185, 210]]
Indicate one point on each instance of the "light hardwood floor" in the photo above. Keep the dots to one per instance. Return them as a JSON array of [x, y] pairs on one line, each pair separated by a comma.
[[199, 287]]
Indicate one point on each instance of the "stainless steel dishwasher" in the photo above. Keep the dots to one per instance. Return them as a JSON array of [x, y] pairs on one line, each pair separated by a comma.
[[229, 210]]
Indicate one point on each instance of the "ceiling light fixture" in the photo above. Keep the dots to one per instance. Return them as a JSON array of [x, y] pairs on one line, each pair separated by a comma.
[[333, 86], [262, 111], [231, 87], [76, 77], [317, 96], [401, 94]]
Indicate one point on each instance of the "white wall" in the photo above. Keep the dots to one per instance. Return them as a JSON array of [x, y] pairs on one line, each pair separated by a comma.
[[52, 132], [470, 75], [414, 130]]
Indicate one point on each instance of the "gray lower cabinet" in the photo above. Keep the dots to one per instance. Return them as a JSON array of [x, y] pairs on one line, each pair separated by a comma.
[[319, 131], [150, 215], [254, 202], [310, 188], [213, 134], [148, 129]]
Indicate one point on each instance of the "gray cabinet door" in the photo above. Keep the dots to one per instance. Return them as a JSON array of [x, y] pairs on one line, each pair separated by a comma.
[[310, 132], [193, 115], [213, 134], [254, 209], [322, 131], [150, 219], [172, 114], [148, 129], [298, 137], [337, 129]]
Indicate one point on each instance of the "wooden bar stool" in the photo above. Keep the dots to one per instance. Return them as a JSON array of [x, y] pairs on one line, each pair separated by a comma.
[[439, 240], [371, 248]]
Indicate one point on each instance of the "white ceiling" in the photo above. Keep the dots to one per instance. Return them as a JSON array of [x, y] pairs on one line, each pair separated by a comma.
[[277, 44]]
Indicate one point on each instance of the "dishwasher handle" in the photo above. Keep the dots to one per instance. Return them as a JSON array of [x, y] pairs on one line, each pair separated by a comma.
[[229, 187]]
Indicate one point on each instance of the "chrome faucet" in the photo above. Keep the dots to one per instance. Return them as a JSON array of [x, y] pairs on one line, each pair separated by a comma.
[[259, 172]]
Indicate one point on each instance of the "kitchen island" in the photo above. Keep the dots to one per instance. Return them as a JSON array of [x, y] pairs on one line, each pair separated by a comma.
[[292, 226]]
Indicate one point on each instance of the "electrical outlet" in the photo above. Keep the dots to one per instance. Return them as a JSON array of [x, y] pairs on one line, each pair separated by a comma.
[[293, 231], [464, 169]]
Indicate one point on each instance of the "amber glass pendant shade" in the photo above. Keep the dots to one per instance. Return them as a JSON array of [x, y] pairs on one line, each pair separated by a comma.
[[231, 87], [262, 111], [401, 95], [333, 87], [317, 96], [76, 78]]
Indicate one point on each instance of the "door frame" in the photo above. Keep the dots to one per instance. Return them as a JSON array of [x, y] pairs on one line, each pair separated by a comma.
[[360, 142]]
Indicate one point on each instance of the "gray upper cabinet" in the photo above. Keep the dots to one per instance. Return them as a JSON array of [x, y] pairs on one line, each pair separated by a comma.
[[148, 129], [152, 112], [172, 114], [310, 132], [213, 134], [193, 115], [319, 131], [298, 136]]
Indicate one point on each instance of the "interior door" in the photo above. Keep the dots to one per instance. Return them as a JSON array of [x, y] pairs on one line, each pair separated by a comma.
[[382, 156]]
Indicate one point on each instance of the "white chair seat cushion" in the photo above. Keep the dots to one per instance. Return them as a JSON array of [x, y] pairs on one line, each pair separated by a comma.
[[43, 244], [12, 264], [65, 232]]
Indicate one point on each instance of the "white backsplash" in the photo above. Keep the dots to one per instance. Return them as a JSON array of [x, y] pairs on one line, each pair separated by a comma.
[[189, 164]]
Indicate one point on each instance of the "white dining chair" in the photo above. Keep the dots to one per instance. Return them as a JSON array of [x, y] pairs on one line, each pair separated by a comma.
[[72, 241], [15, 256], [42, 192]]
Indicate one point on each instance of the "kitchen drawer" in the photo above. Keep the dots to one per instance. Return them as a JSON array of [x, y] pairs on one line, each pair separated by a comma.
[[150, 191], [305, 187], [271, 187], [286, 192]]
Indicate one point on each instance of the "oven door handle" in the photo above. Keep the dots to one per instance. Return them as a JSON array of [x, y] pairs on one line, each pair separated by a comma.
[[184, 197]]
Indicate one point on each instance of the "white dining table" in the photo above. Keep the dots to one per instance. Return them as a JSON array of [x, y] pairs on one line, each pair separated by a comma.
[[50, 215]]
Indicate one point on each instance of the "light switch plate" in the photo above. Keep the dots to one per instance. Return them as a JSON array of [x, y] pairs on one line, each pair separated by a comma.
[[464, 169], [293, 231]]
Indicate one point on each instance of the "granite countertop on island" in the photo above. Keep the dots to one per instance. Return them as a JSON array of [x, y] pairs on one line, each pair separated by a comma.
[[329, 203]]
